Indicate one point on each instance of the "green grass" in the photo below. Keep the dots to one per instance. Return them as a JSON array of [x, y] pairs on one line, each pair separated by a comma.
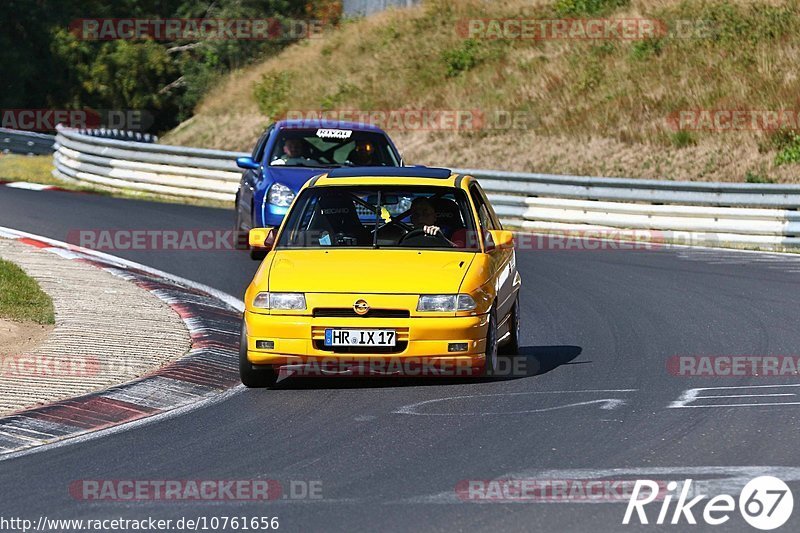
[[21, 298], [587, 7], [682, 139], [789, 150]]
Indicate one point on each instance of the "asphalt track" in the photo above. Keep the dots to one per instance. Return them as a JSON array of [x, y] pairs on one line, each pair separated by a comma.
[[598, 329]]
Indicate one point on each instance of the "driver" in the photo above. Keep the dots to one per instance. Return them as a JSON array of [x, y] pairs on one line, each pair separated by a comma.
[[292, 154], [423, 217]]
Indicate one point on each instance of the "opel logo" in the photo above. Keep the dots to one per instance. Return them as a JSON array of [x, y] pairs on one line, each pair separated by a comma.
[[361, 307]]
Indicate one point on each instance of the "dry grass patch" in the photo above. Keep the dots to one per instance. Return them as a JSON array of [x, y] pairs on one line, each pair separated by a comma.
[[39, 168]]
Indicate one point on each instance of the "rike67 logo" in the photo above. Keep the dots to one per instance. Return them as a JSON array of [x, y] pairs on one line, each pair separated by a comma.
[[765, 503]]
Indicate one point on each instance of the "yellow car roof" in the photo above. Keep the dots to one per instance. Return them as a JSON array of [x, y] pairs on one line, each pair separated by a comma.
[[437, 177]]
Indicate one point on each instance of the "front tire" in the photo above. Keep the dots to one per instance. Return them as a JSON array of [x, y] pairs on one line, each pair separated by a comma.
[[511, 346], [490, 366], [239, 233], [242, 237], [252, 378]]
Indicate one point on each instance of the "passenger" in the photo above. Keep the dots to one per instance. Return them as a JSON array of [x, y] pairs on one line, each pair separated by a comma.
[[363, 155]]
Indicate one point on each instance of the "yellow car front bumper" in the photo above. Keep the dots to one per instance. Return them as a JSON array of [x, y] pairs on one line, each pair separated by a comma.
[[300, 339]]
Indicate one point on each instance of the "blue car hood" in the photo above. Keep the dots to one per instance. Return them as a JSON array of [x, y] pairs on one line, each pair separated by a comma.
[[293, 177]]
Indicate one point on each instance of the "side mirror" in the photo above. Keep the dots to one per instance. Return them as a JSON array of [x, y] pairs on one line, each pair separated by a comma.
[[499, 239], [262, 238], [247, 163]]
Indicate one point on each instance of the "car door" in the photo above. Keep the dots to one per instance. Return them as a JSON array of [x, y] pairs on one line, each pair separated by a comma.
[[502, 260], [249, 183]]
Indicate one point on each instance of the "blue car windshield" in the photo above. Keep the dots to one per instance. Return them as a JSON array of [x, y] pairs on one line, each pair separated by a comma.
[[332, 147], [381, 217]]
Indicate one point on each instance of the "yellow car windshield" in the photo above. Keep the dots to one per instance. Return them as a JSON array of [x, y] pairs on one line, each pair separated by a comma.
[[380, 217]]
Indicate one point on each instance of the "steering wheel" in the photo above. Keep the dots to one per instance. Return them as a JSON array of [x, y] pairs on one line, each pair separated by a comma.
[[419, 237], [400, 224]]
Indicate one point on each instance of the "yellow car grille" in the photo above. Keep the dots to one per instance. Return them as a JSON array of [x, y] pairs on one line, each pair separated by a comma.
[[349, 312]]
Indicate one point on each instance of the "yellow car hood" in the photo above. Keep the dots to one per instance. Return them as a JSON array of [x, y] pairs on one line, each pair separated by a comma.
[[369, 271]]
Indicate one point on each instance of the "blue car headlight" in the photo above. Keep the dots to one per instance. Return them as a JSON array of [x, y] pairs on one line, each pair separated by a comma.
[[280, 195]]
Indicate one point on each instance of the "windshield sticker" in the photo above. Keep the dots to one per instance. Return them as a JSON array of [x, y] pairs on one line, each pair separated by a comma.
[[334, 134]]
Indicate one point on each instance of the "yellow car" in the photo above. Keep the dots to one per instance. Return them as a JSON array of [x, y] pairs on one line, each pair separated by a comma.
[[389, 271]]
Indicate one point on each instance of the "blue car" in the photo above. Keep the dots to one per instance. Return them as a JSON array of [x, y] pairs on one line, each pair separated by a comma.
[[290, 153]]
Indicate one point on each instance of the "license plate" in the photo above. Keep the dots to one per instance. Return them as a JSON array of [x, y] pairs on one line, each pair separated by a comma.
[[360, 337]]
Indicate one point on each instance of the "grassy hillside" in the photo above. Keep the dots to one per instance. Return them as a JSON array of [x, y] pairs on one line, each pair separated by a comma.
[[597, 107]]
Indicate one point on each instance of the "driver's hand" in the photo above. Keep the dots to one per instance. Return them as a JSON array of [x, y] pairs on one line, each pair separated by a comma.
[[431, 230]]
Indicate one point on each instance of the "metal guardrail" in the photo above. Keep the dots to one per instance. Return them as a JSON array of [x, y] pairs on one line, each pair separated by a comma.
[[762, 215], [355, 8], [154, 168], [121, 135], [640, 190], [25, 142], [683, 224]]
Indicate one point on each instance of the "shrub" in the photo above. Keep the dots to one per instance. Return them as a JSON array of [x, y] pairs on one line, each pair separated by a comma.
[[790, 152], [271, 92], [647, 48], [752, 177], [343, 91], [462, 58]]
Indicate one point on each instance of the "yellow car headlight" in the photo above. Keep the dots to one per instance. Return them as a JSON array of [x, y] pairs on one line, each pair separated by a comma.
[[443, 303], [285, 301]]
